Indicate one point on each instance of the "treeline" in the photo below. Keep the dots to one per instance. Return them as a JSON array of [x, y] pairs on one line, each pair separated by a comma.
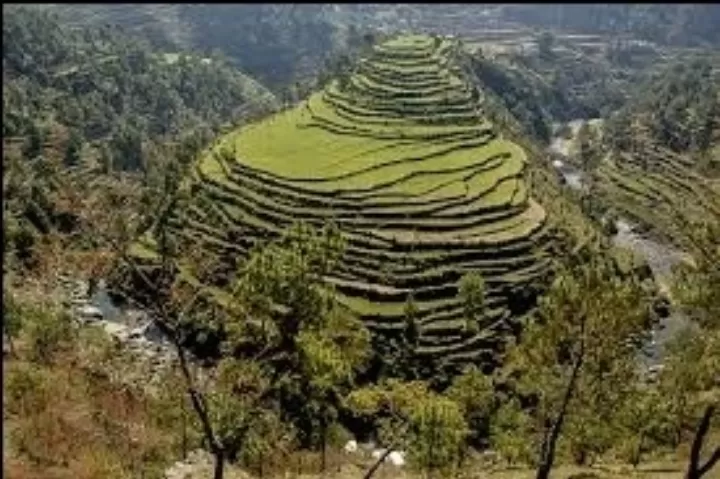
[[277, 44], [108, 86], [677, 107]]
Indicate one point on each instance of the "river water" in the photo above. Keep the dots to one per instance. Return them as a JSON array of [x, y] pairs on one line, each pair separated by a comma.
[[101, 299], [124, 317]]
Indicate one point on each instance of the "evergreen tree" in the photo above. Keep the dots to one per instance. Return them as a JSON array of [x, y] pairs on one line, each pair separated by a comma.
[[576, 361], [73, 149]]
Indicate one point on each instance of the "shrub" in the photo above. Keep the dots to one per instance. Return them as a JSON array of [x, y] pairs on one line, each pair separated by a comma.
[[407, 415], [510, 433], [25, 389], [49, 332]]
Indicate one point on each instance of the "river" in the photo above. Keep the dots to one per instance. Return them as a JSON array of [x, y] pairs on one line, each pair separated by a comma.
[[661, 257]]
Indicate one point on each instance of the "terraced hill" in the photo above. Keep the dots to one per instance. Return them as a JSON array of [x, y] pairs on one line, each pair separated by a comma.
[[424, 189], [652, 187]]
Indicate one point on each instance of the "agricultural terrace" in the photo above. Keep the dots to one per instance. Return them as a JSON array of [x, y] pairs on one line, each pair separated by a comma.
[[399, 155], [652, 185]]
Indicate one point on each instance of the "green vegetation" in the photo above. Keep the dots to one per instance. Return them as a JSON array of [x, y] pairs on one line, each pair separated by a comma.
[[103, 85], [277, 44], [97, 121]]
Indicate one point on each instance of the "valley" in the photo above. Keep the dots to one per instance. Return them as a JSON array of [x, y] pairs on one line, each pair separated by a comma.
[[361, 240]]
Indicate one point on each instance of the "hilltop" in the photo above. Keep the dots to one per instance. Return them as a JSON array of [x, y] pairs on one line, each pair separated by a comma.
[[398, 154]]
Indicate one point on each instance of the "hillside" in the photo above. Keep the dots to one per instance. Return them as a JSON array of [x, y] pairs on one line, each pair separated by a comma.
[[300, 241], [660, 157], [95, 79], [681, 24], [92, 115], [277, 44], [422, 186]]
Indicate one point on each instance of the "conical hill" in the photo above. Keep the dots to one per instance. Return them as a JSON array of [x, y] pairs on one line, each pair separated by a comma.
[[399, 155]]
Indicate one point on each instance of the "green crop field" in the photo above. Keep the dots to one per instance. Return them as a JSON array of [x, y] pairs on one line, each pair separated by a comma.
[[422, 186]]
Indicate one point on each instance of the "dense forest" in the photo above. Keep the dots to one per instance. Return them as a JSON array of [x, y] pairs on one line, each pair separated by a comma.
[[300, 241], [97, 101], [104, 85]]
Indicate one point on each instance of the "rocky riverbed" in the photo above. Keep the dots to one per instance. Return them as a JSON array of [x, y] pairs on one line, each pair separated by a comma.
[[134, 331], [661, 258], [130, 328]]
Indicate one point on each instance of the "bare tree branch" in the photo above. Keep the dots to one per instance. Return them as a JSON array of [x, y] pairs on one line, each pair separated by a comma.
[[381, 459]]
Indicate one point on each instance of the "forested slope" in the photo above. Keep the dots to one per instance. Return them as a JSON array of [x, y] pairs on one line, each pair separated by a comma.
[[277, 44], [82, 103], [660, 154]]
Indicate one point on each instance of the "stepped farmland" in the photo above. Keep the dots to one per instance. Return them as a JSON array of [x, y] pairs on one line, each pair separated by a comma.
[[651, 187], [400, 157]]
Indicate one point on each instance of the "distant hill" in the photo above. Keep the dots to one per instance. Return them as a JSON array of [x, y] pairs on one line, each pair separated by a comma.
[[668, 24], [664, 24]]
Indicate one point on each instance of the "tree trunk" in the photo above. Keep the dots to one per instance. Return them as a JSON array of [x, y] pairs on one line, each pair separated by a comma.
[[695, 470], [323, 446], [11, 346], [184, 427], [547, 450], [219, 464], [164, 319], [200, 407], [638, 452]]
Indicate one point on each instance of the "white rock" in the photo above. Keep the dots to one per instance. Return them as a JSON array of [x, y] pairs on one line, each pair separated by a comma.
[[367, 446], [558, 163], [396, 458], [351, 446], [90, 311], [490, 455], [115, 329], [377, 453], [138, 333]]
